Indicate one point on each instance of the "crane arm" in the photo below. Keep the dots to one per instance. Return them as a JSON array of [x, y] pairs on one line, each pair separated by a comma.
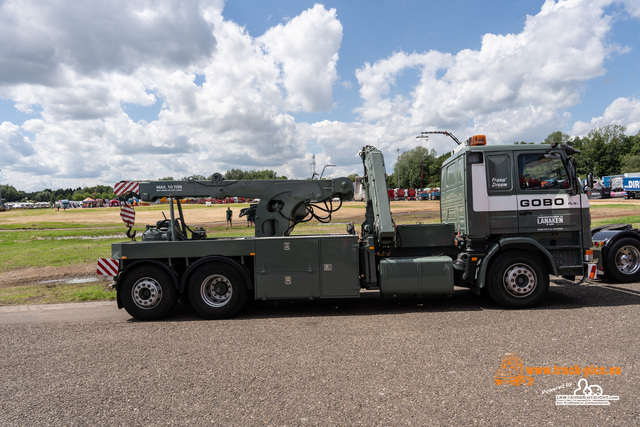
[[283, 203], [378, 219]]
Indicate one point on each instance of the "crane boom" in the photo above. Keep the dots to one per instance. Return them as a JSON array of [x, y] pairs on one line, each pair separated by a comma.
[[442, 132], [283, 203]]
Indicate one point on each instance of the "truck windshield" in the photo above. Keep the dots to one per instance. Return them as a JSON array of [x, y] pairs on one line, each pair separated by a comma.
[[538, 172]]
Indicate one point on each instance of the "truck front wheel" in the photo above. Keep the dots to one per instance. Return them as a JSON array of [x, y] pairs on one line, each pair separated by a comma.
[[623, 260], [217, 291], [148, 293], [517, 280]]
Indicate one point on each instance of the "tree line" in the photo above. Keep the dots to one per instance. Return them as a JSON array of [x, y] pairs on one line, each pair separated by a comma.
[[234, 174], [11, 194], [417, 168], [604, 151]]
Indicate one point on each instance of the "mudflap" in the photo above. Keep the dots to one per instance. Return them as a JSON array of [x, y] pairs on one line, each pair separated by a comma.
[[590, 272]]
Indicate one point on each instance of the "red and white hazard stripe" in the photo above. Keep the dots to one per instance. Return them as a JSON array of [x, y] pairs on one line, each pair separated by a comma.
[[128, 215], [126, 187], [108, 267]]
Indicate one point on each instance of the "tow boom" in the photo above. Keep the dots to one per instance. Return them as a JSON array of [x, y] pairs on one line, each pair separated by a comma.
[[283, 203]]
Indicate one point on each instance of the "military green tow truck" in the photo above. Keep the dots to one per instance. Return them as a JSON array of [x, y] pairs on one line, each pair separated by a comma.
[[510, 217]]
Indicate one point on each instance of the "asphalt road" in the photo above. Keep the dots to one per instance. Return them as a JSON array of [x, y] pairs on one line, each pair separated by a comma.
[[364, 362]]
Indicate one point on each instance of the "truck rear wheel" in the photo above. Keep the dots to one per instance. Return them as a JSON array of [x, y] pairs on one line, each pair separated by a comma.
[[148, 293], [217, 291], [623, 260], [517, 280]]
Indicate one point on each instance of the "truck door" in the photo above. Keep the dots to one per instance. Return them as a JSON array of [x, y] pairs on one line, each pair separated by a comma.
[[503, 218], [544, 200], [494, 204]]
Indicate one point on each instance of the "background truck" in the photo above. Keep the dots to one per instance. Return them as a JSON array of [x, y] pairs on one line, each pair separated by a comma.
[[511, 216], [616, 248], [631, 185], [596, 188], [615, 181]]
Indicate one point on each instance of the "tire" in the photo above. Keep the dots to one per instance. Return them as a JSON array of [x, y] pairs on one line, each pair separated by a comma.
[[623, 260], [517, 280], [217, 291], [148, 293]]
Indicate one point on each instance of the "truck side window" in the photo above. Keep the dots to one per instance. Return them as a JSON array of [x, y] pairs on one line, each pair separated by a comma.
[[499, 172], [453, 175], [538, 172]]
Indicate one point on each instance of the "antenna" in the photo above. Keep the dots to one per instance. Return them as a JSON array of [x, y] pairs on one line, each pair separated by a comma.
[[313, 166], [498, 130]]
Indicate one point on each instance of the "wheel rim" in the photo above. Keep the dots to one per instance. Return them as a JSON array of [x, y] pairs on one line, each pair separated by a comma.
[[520, 280], [216, 290], [628, 260], [146, 293]]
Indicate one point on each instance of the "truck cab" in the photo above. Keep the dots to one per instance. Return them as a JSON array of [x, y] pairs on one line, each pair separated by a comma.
[[515, 202]]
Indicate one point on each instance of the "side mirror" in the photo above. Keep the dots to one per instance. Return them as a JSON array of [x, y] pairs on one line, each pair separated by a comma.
[[552, 155], [575, 184]]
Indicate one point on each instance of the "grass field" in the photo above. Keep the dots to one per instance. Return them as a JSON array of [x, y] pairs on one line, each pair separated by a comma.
[[43, 253]]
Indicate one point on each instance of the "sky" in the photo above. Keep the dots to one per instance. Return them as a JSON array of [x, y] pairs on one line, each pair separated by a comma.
[[96, 92]]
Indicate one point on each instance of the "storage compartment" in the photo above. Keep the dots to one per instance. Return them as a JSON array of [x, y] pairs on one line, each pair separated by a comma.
[[416, 276], [287, 267], [307, 267], [288, 285], [339, 267], [425, 235]]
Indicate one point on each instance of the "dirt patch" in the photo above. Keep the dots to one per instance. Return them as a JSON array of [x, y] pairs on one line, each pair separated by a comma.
[[98, 216], [350, 211], [612, 208], [213, 216], [35, 275]]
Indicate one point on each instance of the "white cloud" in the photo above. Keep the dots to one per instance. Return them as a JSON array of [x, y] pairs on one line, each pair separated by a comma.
[[96, 37], [76, 66], [13, 145], [376, 81], [632, 7], [306, 48], [523, 81], [622, 111]]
